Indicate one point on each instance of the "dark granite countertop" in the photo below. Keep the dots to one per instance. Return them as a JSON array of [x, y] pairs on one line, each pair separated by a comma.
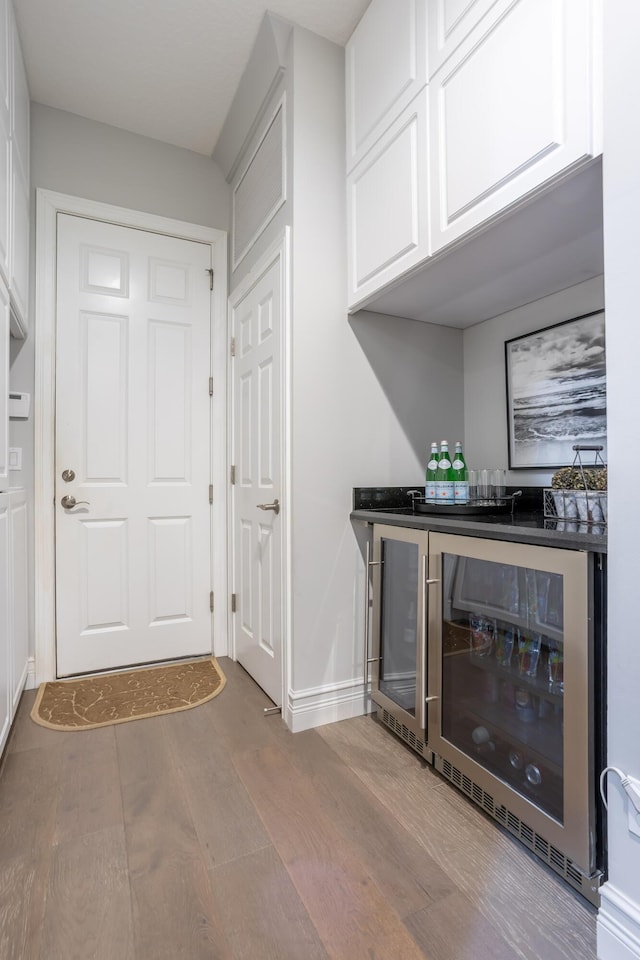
[[525, 525]]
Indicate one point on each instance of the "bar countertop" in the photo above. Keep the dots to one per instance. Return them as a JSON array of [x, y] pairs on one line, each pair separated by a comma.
[[524, 524]]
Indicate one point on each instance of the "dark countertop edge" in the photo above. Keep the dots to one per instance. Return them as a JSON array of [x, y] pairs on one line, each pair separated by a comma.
[[590, 542]]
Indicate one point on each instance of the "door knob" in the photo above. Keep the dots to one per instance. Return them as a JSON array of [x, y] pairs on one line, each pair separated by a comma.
[[69, 501], [275, 506]]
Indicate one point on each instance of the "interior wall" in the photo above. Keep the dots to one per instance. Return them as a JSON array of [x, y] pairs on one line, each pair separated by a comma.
[[619, 917], [99, 162], [485, 390], [368, 394]]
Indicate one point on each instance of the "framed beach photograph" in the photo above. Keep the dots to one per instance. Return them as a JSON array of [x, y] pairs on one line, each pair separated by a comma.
[[556, 393]]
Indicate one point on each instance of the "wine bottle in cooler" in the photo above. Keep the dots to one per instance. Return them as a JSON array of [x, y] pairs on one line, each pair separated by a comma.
[[460, 476], [444, 476], [432, 470]]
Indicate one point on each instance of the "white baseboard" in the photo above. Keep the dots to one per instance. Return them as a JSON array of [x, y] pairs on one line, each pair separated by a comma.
[[319, 705], [618, 925]]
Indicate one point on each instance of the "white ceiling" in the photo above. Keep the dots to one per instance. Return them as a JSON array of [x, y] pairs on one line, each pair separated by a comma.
[[167, 69]]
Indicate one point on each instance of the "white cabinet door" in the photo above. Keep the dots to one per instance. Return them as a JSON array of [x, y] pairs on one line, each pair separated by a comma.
[[19, 99], [449, 22], [4, 386], [5, 139], [387, 205], [19, 244], [5, 625], [510, 111], [385, 69], [19, 167], [19, 599]]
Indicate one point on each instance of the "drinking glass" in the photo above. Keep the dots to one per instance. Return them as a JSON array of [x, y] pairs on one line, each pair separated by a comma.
[[483, 631], [473, 484], [499, 478], [528, 654], [485, 485]]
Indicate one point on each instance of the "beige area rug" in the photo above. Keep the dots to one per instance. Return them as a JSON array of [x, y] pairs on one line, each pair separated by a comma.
[[99, 701]]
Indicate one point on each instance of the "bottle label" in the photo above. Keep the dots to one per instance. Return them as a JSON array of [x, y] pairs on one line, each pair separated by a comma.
[[430, 492], [432, 465], [461, 491], [444, 491], [458, 464], [444, 464]]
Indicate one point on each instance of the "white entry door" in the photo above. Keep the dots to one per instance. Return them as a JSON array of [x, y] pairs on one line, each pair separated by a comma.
[[133, 571], [257, 523]]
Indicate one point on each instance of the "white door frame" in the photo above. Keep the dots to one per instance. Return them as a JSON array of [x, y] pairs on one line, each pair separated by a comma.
[[48, 205], [279, 250]]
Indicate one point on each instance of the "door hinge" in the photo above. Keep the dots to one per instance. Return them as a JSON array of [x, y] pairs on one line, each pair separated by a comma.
[[234, 602], [210, 493], [233, 475], [211, 601], [233, 346], [210, 386], [209, 270]]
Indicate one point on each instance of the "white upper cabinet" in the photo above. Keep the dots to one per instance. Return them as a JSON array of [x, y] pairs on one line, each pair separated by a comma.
[[450, 21], [386, 66], [4, 386], [19, 182], [510, 111], [5, 138], [387, 197], [511, 107]]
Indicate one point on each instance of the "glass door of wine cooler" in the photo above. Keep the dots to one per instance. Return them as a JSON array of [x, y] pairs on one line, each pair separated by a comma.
[[510, 654], [399, 624]]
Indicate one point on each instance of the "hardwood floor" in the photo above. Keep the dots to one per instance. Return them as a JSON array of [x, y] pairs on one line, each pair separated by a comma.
[[215, 833]]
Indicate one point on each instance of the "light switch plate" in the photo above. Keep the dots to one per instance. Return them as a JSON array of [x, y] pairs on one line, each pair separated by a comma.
[[15, 458]]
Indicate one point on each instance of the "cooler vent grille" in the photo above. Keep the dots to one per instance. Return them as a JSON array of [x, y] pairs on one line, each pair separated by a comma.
[[587, 885], [402, 731]]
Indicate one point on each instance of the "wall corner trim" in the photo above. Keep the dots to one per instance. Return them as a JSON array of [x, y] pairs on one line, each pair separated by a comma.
[[618, 925]]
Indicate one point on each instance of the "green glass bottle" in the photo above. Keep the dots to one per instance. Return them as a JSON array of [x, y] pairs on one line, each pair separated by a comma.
[[444, 476], [432, 470], [460, 476]]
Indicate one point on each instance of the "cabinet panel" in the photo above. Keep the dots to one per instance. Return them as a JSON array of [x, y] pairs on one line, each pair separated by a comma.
[[19, 102], [450, 21], [385, 69], [510, 111], [4, 386], [19, 242], [388, 205], [19, 599], [5, 685]]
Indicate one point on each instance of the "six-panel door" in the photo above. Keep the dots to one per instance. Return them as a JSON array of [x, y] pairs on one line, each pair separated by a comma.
[[132, 447]]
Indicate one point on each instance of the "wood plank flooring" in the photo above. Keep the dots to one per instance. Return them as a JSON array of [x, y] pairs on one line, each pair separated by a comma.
[[215, 834]]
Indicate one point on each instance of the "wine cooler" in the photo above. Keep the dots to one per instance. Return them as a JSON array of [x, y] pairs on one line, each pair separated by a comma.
[[399, 662], [483, 661]]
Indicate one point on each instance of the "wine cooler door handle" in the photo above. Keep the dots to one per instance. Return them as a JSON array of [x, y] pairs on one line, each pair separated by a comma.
[[367, 601], [426, 582]]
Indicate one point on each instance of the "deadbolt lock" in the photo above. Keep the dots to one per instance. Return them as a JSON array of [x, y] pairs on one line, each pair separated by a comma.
[[68, 475]]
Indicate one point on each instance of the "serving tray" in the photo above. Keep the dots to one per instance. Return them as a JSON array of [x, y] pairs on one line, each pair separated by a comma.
[[464, 509]]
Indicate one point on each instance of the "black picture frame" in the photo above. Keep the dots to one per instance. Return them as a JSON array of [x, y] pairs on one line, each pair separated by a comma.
[[556, 392]]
